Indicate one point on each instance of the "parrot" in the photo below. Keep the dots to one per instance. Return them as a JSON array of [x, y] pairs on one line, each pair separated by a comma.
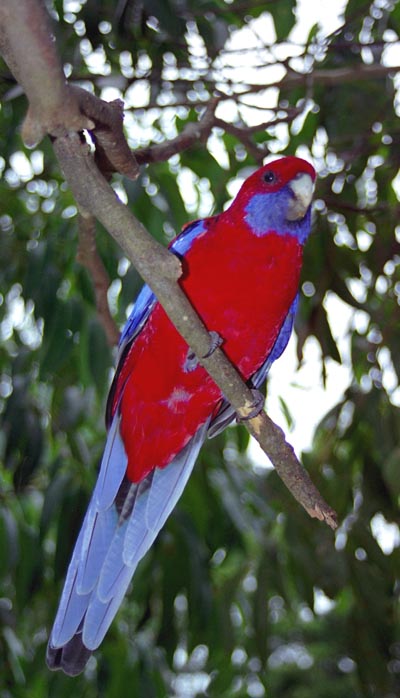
[[241, 272]]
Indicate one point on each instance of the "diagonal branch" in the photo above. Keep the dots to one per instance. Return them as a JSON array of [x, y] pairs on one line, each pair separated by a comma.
[[193, 134], [157, 266]]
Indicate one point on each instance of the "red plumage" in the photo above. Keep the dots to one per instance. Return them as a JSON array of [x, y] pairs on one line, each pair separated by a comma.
[[242, 287]]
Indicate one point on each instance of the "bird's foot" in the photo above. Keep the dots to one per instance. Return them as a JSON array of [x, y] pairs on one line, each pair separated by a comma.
[[191, 361], [215, 342], [255, 408]]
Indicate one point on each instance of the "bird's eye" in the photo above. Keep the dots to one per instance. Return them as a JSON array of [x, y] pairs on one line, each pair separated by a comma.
[[269, 177]]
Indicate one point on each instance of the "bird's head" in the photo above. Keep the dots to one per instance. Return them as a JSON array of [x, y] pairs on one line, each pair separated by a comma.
[[277, 197]]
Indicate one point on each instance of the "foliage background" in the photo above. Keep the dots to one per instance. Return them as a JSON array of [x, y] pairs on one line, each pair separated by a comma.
[[242, 594]]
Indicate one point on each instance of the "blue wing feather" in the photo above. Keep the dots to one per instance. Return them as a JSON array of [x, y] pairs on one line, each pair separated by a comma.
[[112, 470], [138, 317], [72, 605], [146, 298], [182, 244]]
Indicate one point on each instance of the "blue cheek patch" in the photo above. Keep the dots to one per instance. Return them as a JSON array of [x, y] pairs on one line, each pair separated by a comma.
[[267, 212]]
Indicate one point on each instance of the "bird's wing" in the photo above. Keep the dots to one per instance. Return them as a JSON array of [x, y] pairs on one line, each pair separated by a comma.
[[182, 244], [142, 309], [144, 304], [226, 413], [120, 525]]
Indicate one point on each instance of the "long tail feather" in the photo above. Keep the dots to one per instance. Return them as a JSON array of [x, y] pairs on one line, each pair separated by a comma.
[[121, 523]]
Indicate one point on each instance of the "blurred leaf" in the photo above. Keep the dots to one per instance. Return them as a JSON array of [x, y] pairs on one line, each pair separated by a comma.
[[284, 17], [30, 568], [286, 412], [8, 542]]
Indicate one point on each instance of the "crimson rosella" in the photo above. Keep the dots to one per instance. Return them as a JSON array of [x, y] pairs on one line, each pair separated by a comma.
[[241, 273]]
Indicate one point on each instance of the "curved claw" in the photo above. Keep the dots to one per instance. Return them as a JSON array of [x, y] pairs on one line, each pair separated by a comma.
[[215, 342], [256, 407], [191, 361]]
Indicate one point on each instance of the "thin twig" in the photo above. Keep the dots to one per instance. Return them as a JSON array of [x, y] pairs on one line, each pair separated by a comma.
[[199, 132], [194, 133], [89, 257]]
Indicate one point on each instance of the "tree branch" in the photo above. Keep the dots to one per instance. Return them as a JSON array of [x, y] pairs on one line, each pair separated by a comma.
[[30, 52], [226, 89], [55, 107], [157, 266], [198, 133], [88, 256], [192, 134], [112, 153]]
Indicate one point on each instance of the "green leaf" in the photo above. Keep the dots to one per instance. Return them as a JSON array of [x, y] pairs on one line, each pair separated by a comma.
[[8, 541], [53, 499], [30, 567], [284, 17], [99, 356], [286, 412]]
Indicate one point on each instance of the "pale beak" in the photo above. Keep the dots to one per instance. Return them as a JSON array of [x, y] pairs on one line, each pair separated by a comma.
[[302, 187]]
